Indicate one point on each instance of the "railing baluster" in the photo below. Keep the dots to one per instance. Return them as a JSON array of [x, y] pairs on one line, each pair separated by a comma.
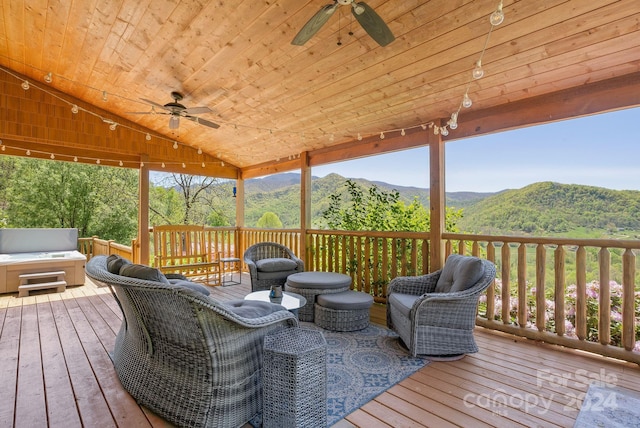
[[541, 267], [628, 300], [506, 274], [522, 285], [560, 293], [604, 324], [581, 293]]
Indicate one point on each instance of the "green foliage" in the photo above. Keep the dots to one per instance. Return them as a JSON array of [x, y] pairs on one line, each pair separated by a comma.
[[269, 220], [97, 200]]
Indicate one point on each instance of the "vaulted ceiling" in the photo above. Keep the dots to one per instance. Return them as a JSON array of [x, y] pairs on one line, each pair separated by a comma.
[[274, 100]]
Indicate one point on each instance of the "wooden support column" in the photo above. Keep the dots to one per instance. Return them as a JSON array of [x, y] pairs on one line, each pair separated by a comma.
[[239, 201], [437, 200], [143, 211], [305, 202]]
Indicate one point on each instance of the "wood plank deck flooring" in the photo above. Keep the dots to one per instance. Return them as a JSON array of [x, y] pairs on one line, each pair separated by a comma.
[[55, 371]]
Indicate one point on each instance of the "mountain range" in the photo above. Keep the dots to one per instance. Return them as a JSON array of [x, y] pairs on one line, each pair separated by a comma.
[[539, 209]]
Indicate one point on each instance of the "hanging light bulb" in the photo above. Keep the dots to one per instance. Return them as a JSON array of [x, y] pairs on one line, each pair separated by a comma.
[[199, 151], [48, 77], [75, 158], [113, 126], [163, 165], [4, 148], [444, 131], [423, 126], [120, 163], [28, 152], [25, 85], [104, 96], [453, 122], [497, 16], [183, 165], [359, 137], [74, 109], [141, 164], [466, 101], [203, 164], [98, 161], [148, 137], [402, 132], [436, 130], [478, 72], [382, 135], [175, 145], [222, 163], [52, 156]]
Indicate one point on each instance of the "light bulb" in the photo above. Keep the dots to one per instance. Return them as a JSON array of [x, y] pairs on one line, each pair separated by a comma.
[[48, 77], [104, 96], [183, 165], [25, 85], [453, 125], [382, 135], [28, 152], [478, 72], [113, 126], [222, 163], [120, 163], [148, 137], [52, 156], [75, 158], [175, 145], [4, 148], [98, 161], [436, 130], [444, 131], [203, 164], [423, 126], [141, 164], [199, 151], [402, 132], [359, 137], [163, 165], [497, 16], [466, 101], [74, 109]]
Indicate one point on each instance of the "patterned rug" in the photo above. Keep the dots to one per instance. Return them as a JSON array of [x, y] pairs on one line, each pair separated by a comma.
[[361, 365], [610, 407]]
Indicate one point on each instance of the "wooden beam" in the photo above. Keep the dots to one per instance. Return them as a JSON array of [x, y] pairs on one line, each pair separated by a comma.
[[143, 214], [592, 98], [437, 202], [305, 201]]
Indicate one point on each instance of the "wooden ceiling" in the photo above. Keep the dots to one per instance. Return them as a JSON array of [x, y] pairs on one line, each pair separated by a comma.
[[274, 100]]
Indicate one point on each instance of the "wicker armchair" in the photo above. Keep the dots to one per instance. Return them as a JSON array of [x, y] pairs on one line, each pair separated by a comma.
[[270, 263], [435, 323], [187, 357]]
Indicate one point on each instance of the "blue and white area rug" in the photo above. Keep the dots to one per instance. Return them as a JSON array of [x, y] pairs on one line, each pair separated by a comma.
[[610, 407], [362, 365]]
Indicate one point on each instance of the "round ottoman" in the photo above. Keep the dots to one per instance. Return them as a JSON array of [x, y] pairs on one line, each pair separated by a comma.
[[312, 284], [346, 311]]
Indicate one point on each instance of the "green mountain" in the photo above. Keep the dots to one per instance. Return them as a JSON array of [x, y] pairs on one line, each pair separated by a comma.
[[540, 209]]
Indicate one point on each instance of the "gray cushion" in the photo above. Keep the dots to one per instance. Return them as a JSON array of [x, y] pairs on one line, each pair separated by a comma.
[[191, 285], [345, 300], [143, 272], [115, 263], [319, 280], [402, 302], [253, 308], [459, 273], [275, 264]]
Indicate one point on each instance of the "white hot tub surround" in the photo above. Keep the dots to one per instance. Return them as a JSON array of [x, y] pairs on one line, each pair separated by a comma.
[[36, 257]]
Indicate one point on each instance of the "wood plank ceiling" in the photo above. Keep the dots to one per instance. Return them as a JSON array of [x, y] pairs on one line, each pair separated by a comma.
[[274, 100]]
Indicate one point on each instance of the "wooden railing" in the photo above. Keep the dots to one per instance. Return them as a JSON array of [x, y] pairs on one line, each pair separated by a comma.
[[95, 246], [589, 299]]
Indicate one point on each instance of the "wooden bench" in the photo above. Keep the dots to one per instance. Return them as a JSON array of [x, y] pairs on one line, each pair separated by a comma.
[[184, 249]]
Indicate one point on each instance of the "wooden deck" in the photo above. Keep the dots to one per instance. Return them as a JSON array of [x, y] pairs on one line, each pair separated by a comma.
[[56, 371]]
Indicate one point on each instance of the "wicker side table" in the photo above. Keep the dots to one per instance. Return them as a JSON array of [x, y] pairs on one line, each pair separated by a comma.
[[294, 379]]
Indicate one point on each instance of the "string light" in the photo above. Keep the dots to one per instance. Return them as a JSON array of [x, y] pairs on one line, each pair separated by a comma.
[[148, 137], [382, 135], [478, 72], [497, 17], [48, 77], [25, 85], [74, 109], [113, 126], [175, 145]]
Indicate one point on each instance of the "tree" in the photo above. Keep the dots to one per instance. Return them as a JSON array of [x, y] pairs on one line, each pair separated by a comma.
[[269, 220]]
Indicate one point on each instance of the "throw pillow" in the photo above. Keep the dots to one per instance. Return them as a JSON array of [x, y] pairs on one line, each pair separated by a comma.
[[253, 308], [115, 262], [459, 273], [276, 264], [143, 272], [191, 285]]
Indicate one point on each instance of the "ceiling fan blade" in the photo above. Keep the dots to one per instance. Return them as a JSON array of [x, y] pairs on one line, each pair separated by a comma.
[[174, 122], [197, 110], [203, 122], [153, 103], [314, 24], [372, 23]]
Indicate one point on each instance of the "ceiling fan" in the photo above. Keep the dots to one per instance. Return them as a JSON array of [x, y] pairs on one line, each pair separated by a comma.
[[367, 17], [177, 110]]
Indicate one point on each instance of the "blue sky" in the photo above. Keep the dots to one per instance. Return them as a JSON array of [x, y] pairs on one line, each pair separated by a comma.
[[601, 150]]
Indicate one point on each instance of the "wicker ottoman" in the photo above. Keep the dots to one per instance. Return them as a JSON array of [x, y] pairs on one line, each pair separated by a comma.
[[346, 311], [294, 379], [312, 284]]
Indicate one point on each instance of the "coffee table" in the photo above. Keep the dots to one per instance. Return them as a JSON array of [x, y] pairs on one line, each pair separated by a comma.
[[291, 301]]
